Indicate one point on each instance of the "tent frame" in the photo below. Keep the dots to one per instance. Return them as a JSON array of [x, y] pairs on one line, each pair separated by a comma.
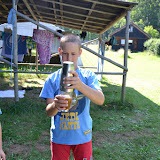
[[15, 53]]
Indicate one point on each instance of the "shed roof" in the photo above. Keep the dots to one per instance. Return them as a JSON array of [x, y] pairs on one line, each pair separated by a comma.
[[95, 16], [119, 30]]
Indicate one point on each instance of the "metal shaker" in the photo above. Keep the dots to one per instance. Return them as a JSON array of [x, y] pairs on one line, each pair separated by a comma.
[[67, 66]]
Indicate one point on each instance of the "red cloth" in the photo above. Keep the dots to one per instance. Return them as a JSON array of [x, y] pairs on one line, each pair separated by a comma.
[[80, 152]]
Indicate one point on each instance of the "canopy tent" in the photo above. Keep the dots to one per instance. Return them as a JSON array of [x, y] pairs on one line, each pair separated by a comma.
[[88, 15], [26, 28], [95, 16]]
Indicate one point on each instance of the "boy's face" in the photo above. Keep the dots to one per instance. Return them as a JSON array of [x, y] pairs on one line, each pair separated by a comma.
[[70, 52]]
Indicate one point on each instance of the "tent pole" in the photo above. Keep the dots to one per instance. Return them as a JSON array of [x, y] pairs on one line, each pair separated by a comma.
[[125, 57], [15, 53], [37, 56]]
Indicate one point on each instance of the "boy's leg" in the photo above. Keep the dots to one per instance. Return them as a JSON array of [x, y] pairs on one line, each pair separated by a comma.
[[60, 151], [83, 151]]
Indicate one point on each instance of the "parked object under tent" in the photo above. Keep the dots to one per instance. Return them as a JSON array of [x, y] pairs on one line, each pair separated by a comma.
[[85, 15]]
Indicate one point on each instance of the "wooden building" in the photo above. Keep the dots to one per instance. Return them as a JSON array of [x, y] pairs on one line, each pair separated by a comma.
[[137, 37]]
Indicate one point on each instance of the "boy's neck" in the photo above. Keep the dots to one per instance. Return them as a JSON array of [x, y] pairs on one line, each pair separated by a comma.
[[75, 67]]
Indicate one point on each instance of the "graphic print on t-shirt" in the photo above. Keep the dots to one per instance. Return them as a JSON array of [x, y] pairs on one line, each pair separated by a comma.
[[70, 120]]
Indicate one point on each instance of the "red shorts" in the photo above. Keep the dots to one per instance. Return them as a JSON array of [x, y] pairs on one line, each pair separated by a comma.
[[80, 152]]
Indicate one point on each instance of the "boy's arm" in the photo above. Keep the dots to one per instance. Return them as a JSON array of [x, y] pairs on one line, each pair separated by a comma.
[[54, 105], [2, 154], [94, 95]]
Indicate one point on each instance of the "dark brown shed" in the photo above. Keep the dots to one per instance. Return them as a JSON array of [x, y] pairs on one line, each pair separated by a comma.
[[137, 37]]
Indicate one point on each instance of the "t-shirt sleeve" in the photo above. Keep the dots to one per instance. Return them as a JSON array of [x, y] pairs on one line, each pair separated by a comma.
[[93, 81], [0, 111], [49, 89]]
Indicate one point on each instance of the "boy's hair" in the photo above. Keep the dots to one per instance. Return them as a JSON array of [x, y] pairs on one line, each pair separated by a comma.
[[70, 37]]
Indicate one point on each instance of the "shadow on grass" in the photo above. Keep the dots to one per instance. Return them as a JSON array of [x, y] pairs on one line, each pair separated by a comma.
[[133, 99]]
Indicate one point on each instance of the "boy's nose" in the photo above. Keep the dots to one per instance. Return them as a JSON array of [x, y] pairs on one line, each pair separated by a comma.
[[69, 57]]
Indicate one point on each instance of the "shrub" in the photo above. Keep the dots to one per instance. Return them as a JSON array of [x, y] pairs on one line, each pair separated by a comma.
[[153, 45]]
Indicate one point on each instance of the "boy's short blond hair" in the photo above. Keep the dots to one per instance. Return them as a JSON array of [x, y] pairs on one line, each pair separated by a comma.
[[70, 37]]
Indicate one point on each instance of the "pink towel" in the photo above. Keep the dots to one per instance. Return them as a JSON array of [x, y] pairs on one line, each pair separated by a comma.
[[44, 40]]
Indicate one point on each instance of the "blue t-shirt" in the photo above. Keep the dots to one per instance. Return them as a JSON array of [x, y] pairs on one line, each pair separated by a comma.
[[0, 111], [73, 127]]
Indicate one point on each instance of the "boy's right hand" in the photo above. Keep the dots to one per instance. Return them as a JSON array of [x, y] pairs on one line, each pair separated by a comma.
[[60, 102]]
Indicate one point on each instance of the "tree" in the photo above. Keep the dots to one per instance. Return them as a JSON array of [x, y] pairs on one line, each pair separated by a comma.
[[147, 11], [152, 32]]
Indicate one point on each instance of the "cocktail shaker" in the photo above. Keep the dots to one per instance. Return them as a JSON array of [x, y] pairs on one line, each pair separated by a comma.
[[67, 66], [68, 93]]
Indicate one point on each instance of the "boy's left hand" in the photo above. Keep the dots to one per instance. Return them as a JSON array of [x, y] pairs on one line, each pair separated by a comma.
[[75, 82]]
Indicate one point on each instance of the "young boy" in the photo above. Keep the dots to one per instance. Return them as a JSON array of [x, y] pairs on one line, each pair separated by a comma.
[[71, 130], [2, 155]]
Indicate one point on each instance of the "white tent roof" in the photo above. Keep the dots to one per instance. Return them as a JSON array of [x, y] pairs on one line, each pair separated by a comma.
[[26, 28]]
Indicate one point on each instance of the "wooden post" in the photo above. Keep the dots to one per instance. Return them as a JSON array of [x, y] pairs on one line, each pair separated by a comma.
[[99, 67], [125, 57], [101, 51], [15, 52]]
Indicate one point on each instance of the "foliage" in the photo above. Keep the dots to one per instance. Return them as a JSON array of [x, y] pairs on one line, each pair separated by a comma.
[[152, 32], [153, 45], [147, 11], [140, 24]]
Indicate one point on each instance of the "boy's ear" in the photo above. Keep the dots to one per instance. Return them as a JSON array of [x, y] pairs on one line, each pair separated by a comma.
[[80, 52], [60, 51]]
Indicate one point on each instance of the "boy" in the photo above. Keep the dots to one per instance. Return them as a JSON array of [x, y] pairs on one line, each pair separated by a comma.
[[71, 130], [2, 155]]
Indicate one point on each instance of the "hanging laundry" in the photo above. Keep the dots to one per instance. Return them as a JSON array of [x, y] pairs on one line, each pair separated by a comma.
[[44, 40], [30, 43], [20, 56], [8, 44], [55, 45]]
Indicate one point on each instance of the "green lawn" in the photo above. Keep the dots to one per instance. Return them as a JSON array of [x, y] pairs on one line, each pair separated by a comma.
[[129, 131]]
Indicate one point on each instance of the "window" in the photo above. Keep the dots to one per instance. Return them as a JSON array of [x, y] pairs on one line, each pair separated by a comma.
[[122, 41], [130, 28], [130, 41]]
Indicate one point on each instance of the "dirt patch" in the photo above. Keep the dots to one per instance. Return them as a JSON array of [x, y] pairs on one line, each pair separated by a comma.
[[42, 145], [18, 149]]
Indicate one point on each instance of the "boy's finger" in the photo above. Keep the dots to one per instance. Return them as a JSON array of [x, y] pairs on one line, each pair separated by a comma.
[[75, 74]]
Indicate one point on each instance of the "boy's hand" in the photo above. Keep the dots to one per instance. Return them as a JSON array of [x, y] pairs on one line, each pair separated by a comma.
[[2, 155], [60, 102], [75, 82]]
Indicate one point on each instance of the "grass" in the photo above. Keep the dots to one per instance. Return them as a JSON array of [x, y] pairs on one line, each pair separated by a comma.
[[129, 131]]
